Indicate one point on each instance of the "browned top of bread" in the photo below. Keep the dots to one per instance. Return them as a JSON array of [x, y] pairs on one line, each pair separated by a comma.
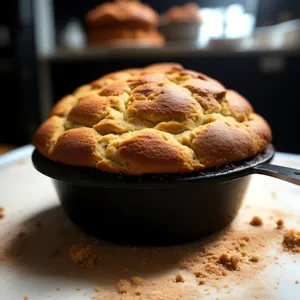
[[158, 119], [188, 12], [129, 13]]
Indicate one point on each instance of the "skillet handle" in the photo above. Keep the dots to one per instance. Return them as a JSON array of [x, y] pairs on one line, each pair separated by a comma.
[[283, 173]]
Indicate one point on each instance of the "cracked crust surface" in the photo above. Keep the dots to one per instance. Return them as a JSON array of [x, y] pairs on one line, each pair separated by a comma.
[[158, 119]]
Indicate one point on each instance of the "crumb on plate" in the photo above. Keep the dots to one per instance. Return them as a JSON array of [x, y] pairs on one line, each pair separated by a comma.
[[2, 215], [230, 262], [254, 258], [291, 241], [280, 223], [179, 278], [256, 221]]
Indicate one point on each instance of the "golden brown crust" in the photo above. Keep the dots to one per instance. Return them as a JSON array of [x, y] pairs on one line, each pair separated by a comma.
[[238, 103], [260, 126], [207, 92], [149, 151], [158, 119], [63, 106], [222, 143], [168, 102], [89, 110], [78, 144], [47, 134]]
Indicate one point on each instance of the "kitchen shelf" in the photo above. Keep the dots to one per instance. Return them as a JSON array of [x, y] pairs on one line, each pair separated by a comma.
[[62, 54]]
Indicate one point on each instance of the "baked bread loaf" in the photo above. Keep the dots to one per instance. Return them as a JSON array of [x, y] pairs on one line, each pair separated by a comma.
[[120, 22], [187, 13], [158, 119]]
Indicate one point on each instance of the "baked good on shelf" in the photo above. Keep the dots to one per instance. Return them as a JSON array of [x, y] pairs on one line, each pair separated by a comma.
[[158, 119], [123, 23], [187, 13]]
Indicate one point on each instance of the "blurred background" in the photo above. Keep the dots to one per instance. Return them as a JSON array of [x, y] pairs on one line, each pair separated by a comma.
[[49, 47]]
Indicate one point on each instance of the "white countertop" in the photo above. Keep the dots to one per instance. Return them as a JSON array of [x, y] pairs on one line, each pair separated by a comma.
[[29, 198]]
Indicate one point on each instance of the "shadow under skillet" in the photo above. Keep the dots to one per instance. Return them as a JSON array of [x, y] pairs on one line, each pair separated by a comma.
[[43, 249]]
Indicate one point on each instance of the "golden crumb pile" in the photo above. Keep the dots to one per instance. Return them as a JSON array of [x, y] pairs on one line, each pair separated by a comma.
[[230, 257], [83, 255], [234, 253], [130, 286], [230, 262], [256, 221], [162, 289], [1, 212], [291, 241]]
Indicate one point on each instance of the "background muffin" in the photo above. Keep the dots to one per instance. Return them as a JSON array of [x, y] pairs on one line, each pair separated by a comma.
[[123, 22], [188, 12]]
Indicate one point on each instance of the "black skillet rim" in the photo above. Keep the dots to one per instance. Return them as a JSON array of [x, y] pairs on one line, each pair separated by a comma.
[[92, 177]]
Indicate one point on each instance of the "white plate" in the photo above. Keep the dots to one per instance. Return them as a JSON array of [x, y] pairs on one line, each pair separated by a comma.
[[29, 197]]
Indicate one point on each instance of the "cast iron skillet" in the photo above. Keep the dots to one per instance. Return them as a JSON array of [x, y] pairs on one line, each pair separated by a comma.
[[156, 209]]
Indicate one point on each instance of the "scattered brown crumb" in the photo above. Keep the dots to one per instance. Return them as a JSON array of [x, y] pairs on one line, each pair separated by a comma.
[[96, 289], [83, 255], [136, 281], [123, 286], [200, 274], [276, 257], [254, 258], [243, 244], [280, 224], [179, 278], [2, 215], [138, 293], [214, 269], [78, 289], [236, 254], [230, 262], [297, 281], [256, 221], [291, 241], [26, 298]]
